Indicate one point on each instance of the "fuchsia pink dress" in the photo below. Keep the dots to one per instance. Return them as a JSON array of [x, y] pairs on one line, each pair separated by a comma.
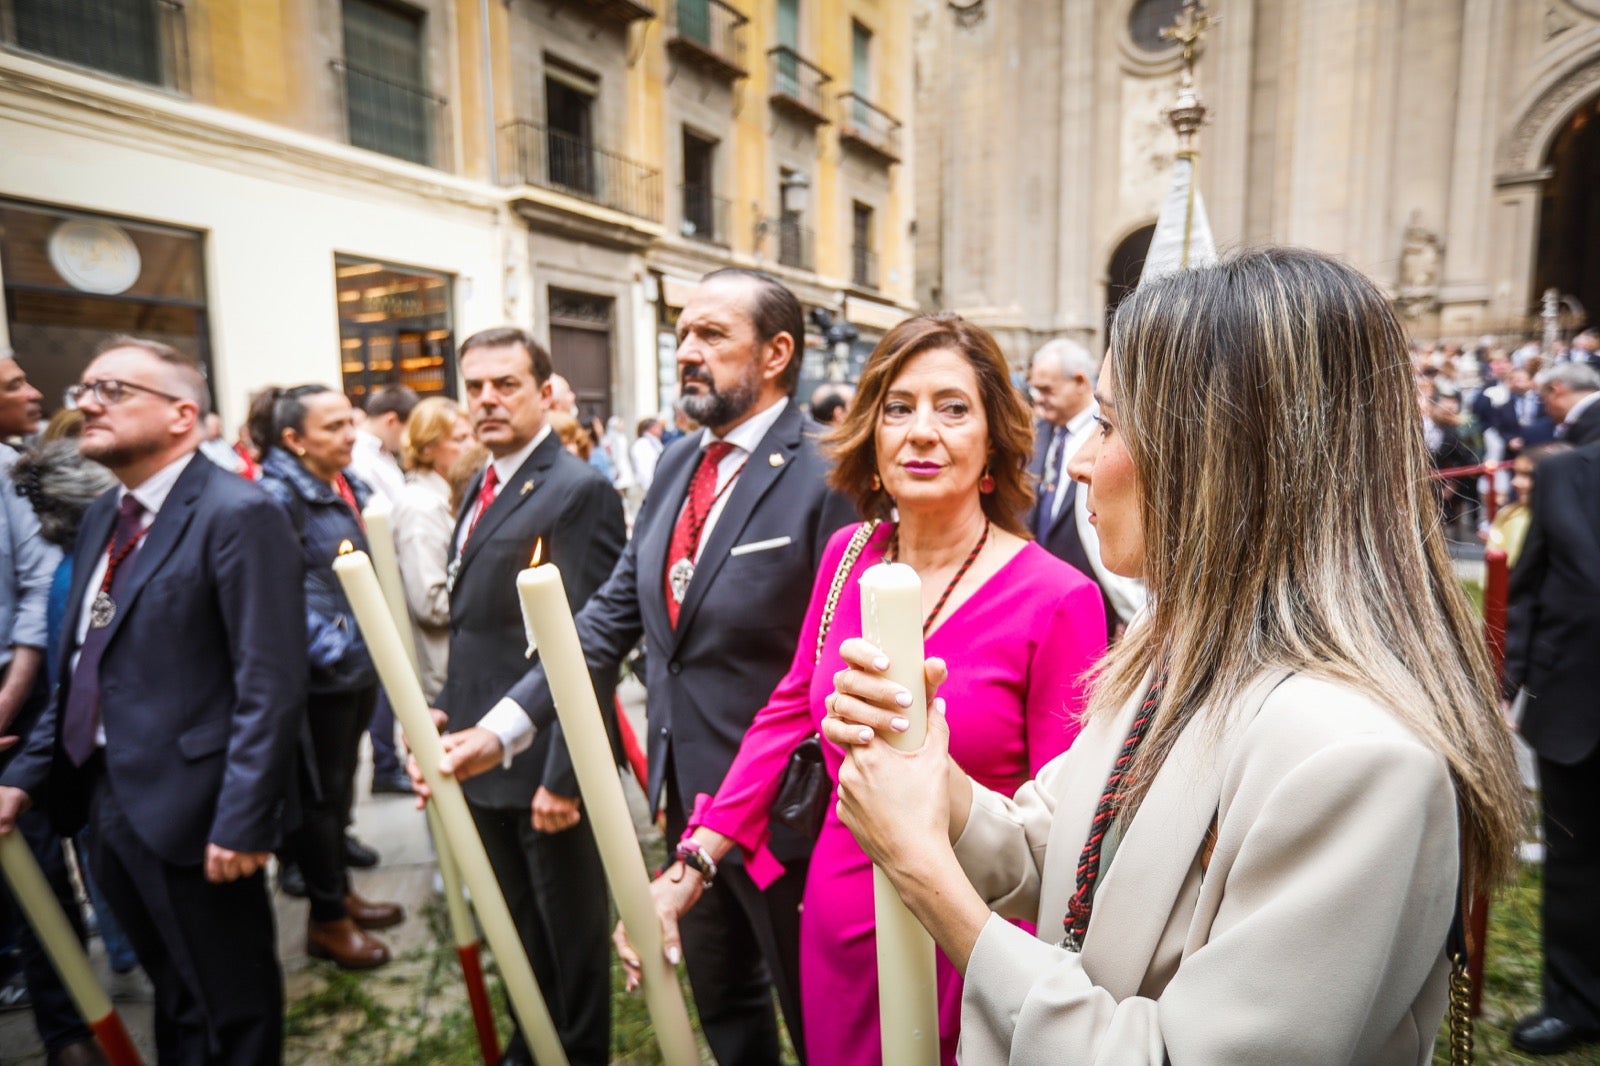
[[1017, 649]]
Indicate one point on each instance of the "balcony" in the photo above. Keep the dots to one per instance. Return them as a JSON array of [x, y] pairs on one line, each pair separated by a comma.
[[397, 118], [623, 11], [863, 266], [709, 35], [796, 246], [797, 86], [145, 41], [532, 154], [868, 128], [705, 217]]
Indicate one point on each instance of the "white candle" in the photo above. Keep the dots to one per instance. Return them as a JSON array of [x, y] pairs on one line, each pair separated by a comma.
[[547, 614], [908, 995], [360, 583], [386, 561], [51, 926]]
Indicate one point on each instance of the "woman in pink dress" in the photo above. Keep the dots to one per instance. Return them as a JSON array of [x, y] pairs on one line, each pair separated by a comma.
[[939, 440]]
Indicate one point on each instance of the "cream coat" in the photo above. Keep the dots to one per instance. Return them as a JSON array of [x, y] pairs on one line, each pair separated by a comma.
[[423, 524], [1315, 934]]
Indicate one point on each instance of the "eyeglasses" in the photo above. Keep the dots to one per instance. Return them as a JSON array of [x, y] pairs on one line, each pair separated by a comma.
[[110, 392]]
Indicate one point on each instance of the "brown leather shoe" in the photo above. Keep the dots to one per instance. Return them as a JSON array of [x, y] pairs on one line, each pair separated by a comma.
[[370, 915], [344, 945]]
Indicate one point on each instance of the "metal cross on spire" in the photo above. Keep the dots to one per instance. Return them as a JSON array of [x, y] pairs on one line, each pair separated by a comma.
[[1183, 233], [1189, 113]]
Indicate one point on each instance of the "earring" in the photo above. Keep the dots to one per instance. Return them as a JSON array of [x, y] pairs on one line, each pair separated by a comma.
[[300, 453], [877, 483], [986, 482]]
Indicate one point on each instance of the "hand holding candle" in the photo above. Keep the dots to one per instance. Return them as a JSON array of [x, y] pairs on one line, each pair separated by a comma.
[[361, 588], [549, 617], [908, 1001]]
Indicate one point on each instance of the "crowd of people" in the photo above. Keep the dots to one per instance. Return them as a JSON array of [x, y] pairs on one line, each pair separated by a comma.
[[1193, 639]]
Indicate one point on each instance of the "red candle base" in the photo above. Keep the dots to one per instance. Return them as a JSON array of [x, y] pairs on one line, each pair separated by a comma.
[[115, 1042], [478, 998]]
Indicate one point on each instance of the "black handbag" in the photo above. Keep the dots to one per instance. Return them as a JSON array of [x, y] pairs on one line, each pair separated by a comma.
[[805, 788]]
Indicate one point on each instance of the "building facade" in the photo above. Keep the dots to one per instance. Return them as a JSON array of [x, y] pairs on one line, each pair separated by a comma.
[[1450, 148], [338, 190]]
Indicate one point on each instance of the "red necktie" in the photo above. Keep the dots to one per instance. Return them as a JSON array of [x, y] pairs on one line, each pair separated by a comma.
[[486, 495], [691, 522]]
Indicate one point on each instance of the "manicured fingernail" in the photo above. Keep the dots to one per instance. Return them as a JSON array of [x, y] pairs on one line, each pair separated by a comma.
[[674, 956], [903, 698], [899, 725], [938, 704], [881, 663], [865, 735]]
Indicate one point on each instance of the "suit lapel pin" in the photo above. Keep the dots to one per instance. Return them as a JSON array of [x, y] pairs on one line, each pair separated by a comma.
[[527, 487], [774, 460]]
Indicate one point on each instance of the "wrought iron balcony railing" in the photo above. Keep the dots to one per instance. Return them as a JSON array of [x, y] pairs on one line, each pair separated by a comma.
[[709, 34], [532, 154], [863, 266], [795, 244], [797, 86], [705, 217], [869, 127], [394, 117], [141, 40]]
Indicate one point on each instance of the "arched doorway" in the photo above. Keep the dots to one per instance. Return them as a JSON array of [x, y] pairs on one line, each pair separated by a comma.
[[1122, 273], [1568, 258]]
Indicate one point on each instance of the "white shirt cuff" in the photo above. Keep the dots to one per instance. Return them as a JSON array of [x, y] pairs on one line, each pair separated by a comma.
[[508, 721]]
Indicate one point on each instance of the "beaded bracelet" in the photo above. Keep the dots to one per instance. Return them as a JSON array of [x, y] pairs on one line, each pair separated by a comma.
[[691, 854]]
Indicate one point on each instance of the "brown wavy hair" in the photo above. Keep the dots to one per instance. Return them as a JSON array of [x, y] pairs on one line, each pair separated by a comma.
[[853, 445]]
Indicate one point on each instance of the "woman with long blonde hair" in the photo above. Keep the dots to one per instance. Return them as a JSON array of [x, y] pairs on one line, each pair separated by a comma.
[[1292, 767]]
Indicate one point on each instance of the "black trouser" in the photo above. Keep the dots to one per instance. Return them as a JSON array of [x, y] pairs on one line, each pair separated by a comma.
[[336, 720], [209, 949], [555, 887], [740, 943], [1570, 799], [385, 759]]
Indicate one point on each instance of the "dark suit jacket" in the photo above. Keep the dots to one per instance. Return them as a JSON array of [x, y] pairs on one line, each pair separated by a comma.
[[1553, 625], [741, 616], [1586, 428], [573, 509], [202, 683]]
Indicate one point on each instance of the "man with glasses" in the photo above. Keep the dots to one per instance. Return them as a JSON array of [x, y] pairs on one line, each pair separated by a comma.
[[177, 705]]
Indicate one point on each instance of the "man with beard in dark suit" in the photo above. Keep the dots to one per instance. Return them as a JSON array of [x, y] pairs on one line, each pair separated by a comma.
[[532, 492], [716, 579], [1552, 638]]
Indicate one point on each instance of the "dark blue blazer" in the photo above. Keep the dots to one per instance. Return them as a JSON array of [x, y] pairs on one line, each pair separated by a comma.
[[740, 618], [202, 683]]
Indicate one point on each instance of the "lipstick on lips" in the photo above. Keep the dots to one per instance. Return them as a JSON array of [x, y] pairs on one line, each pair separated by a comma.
[[922, 468]]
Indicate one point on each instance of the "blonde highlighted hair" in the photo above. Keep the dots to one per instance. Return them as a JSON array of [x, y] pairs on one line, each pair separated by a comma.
[[431, 421], [1268, 408]]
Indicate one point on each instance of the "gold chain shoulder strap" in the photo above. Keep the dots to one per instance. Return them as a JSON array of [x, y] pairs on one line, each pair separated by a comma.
[[847, 563]]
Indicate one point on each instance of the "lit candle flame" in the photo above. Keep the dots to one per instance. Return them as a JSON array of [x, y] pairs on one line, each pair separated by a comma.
[[345, 547], [538, 552]]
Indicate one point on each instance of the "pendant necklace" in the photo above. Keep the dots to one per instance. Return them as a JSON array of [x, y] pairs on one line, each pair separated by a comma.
[[682, 572], [103, 609], [892, 554]]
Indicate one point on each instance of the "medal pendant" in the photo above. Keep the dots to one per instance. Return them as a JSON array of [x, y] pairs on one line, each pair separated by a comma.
[[450, 575], [102, 610], [678, 577]]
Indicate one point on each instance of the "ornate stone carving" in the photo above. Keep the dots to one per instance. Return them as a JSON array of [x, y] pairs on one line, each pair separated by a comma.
[[1421, 258], [1522, 150], [1557, 22]]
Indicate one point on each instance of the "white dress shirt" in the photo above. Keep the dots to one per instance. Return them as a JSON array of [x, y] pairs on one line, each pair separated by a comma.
[[151, 494], [507, 719], [373, 464]]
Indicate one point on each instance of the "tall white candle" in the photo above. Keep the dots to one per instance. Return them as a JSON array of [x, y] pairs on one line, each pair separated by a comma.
[[546, 612], [908, 995], [386, 561], [50, 924], [360, 583]]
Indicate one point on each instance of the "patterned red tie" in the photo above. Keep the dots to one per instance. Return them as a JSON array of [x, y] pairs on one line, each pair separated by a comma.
[[486, 495], [691, 522]]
